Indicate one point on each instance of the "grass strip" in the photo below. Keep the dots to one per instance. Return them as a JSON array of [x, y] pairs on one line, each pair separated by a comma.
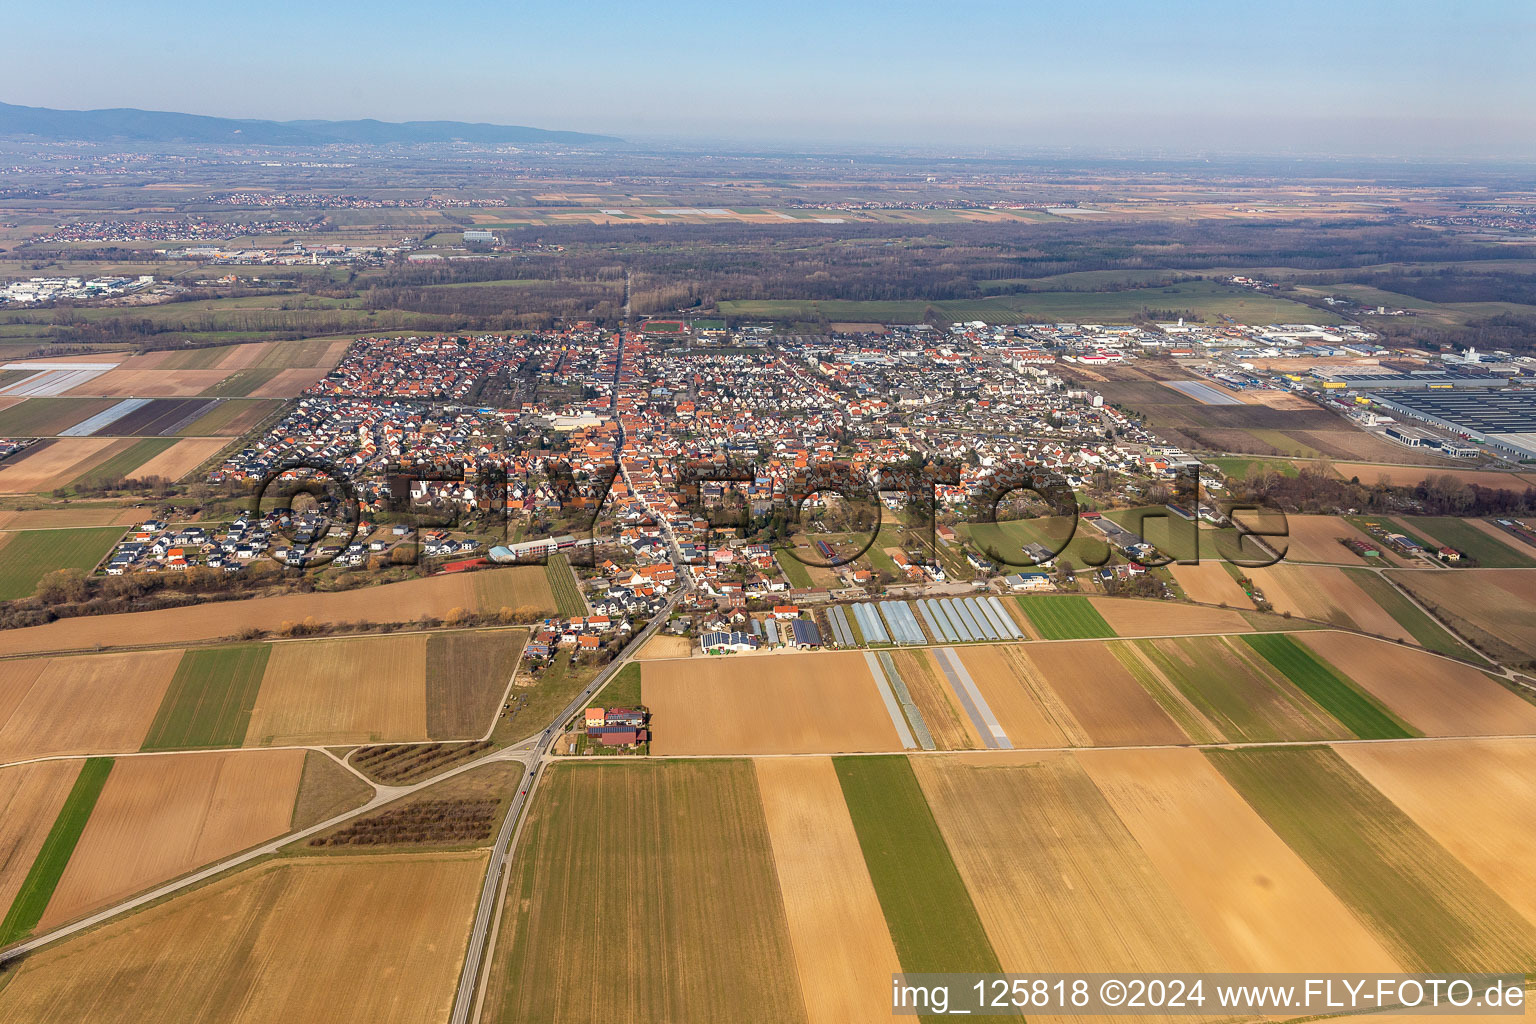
[[1065, 617]]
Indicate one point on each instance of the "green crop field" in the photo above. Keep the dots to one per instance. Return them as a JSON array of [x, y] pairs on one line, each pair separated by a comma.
[[1227, 684], [623, 690], [122, 465], [1210, 300], [1430, 634], [467, 674], [209, 701], [234, 416], [1359, 712], [1239, 468], [794, 571], [562, 583], [46, 416], [934, 925], [1428, 909], [48, 867], [1064, 617], [30, 555], [1490, 552]]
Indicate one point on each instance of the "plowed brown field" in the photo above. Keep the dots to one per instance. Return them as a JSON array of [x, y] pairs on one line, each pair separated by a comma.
[[1132, 617], [1328, 595], [1021, 700], [88, 704], [1497, 600], [1476, 797], [1057, 879], [1103, 697], [394, 602], [772, 704], [1436, 695], [1256, 901], [30, 798], [1210, 583], [950, 727], [44, 468], [159, 817], [346, 940], [181, 458], [150, 383], [843, 950], [326, 692]]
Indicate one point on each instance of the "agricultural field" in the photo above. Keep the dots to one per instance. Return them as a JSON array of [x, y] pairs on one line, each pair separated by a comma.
[[436, 596], [1057, 880], [71, 516], [766, 704], [466, 674], [1427, 908], [1485, 543], [288, 939], [662, 646], [1127, 616], [1217, 688], [562, 585], [1326, 594], [1105, 701], [1209, 582], [209, 701], [45, 417], [55, 464], [1436, 696], [26, 556], [1491, 607], [1426, 632], [330, 692], [1407, 476], [181, 458], [1353, 707], [125, 458], [35, 892], [31, 796], [688, 925], [1476, 798], [950, 726], [521, 587], [230, 418], [1260, 906], [1064, 617], [160, 817], [1014, 688], [1316, 539], [843, 951], [83, 704]]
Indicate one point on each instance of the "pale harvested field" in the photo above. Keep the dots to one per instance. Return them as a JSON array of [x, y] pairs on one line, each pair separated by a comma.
[[435, 596], [123, 383], [1316, 539], [1497, 600], [660, 646], [346, 940], [1406, 476], [1132, 617], [243, 357], [1013, 692], [951, 728], [516, 587], [1476, 797], [1257, 903], [54, 465], [67, 517], [1103, 697], [843, 950], [328, 692], [285, 383], [160, 817], [30, 798], [1326, 594], [1210, 583], [1436, 695], [1059, 882], [181, 458], [87, 704], [777, 704]]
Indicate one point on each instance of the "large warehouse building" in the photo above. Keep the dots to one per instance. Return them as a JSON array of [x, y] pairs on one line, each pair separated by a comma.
[[1503, 420]]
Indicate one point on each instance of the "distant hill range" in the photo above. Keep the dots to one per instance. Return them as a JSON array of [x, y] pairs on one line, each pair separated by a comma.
[[129, 125]]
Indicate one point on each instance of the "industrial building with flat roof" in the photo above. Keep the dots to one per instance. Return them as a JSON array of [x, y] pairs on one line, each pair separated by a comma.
[[1448, 378], [1504, 420]]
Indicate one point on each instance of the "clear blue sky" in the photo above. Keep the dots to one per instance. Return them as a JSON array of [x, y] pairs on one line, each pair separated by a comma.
[[1409, 76]]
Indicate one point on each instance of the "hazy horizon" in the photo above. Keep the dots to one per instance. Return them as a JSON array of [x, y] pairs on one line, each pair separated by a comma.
[[1407, 80]]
